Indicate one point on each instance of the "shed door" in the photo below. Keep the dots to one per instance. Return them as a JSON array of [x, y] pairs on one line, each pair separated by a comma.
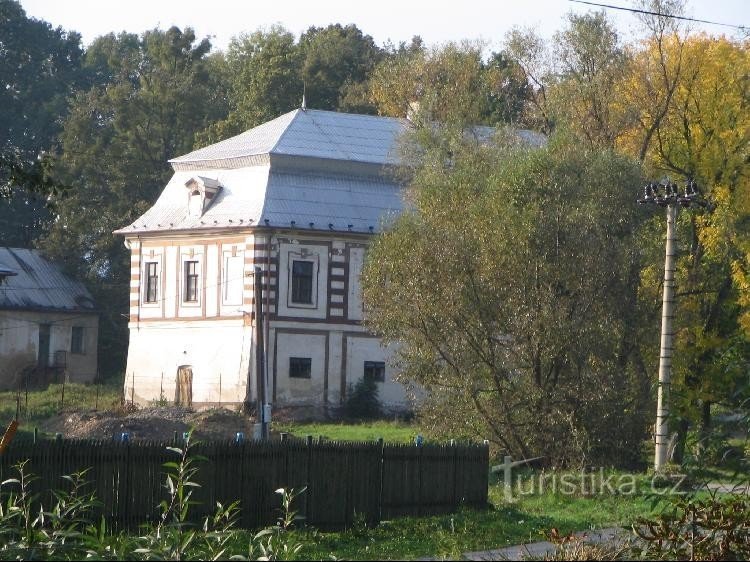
[[184, 390], [43, 345]]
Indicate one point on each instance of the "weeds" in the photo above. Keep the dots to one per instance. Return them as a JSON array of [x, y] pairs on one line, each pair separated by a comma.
[[68, 530]]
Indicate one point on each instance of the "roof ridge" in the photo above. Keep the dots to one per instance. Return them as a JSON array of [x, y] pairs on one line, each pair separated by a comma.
[[360, 115], [286, 129]]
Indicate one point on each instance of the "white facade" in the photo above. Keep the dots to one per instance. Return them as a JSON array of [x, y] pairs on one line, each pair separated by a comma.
[[215, 334]]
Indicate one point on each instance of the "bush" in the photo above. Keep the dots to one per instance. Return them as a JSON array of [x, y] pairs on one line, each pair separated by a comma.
[[363, 401]]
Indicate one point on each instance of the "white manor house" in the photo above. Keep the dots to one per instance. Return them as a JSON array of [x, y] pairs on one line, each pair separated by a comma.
[[299, 197]]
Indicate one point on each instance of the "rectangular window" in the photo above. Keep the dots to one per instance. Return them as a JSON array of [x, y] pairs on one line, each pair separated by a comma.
[[375, 370], [302, 282], [300, 368], [152, 281], [77, 341], [233, 279], [190, 293]]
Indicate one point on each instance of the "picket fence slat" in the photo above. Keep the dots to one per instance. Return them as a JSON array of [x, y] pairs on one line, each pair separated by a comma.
[[342, 481]]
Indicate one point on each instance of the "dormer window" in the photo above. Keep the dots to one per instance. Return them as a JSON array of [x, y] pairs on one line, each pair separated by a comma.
[[201, 193]]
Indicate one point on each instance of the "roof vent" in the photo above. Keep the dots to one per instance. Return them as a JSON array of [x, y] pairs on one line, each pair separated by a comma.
[[201, 193]]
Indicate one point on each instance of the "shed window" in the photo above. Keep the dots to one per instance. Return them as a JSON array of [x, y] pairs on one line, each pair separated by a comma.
[[302, 282], [152, 281], [77, 340], [300, 367], [190, 293], [375, 370]]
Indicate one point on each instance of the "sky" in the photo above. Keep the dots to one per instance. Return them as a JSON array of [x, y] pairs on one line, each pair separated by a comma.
[[396, 20]]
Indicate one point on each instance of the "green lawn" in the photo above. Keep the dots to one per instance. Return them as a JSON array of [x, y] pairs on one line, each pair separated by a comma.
[[504, 524], [390, 431], [43, 404]]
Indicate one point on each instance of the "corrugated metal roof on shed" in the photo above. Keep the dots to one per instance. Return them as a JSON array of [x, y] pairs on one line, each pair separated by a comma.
[[39, 284]]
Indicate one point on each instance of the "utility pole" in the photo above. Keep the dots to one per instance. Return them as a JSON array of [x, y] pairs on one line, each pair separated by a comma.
[[666, 195], [260, 352]]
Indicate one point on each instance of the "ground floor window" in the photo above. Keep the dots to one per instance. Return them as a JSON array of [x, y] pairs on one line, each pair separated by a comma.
[[300, 367], [375, 370], [77, 340]]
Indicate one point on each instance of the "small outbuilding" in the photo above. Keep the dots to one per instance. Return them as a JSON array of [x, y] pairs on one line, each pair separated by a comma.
[[49, 323]]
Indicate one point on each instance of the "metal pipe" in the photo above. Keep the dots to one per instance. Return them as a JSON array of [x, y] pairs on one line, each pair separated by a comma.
[[260, 378]]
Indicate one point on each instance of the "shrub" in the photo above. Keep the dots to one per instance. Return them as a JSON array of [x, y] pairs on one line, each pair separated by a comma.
[[363, 401]]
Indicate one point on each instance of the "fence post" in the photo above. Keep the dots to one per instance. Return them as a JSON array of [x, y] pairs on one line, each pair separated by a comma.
[[308, 487], [126, 513], [380, 480], [420, 510], [455, 475]]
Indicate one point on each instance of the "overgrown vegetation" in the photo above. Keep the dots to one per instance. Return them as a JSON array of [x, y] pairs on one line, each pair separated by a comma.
[[363, 400], [510, 312], [63, 527]]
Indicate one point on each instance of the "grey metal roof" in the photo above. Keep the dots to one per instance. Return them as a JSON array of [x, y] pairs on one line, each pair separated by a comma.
[[314, 134], [306, 166], [39, 284], [359, 203]]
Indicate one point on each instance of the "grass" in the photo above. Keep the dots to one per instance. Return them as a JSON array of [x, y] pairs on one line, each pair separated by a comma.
[[44, 404], [390, 431], [503, 524]]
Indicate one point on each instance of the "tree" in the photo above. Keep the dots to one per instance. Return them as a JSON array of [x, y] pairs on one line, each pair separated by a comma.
[[267, 72], [39, 68], [336, 61], [704, 134], [116, 142], [262, 70], [506, 289], [451, 83], [587, 94]]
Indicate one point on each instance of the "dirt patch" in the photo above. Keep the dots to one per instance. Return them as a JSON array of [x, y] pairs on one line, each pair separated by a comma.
[[156, 424]]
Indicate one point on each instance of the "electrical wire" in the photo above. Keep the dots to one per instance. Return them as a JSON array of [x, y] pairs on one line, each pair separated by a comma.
[[659, 14]]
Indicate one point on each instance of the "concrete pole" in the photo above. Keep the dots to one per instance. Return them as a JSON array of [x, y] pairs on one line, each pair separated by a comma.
[[667, 345]]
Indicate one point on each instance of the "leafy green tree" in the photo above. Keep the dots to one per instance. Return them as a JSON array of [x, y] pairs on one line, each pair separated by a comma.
[[39, 68], [116, 142], [266, 72], [587, 93], [507, 289], [262, 71], [451, 83], [336, 61]]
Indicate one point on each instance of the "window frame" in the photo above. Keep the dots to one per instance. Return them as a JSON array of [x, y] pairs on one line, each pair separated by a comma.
[[227, 298], [379, 370], [81, 348], [148, 297], [300, 362], [294, 285], [190, 278]]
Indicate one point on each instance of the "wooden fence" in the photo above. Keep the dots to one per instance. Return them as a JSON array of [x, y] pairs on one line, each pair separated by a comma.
[[343, 480]]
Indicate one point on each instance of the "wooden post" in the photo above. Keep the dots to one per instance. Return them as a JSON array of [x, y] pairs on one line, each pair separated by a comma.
[[308, 490], [381, 444], [96, 384], [62, 397]]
